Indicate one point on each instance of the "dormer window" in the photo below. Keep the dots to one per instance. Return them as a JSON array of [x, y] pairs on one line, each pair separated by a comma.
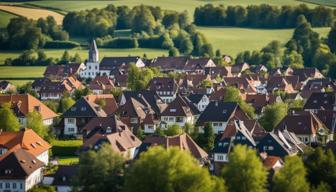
[[73, 108], [83, 109], [8, 171], [37, 108], [172, 110]]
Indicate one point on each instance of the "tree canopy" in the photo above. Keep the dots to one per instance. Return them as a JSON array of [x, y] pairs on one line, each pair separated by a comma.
[[8, 120], [170, 170], [272, 115], [245, 171]]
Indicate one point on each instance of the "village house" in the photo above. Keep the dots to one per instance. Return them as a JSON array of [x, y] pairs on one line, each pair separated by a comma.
[[120, 138], [234, 134], [280, 83], [101, 85], [78, 115], [62, 179], [183, 142], [317, 85], [23, 156], [260, 101], [22, 104], [165, 87], [306, 126], [307, 73], [237, 69], [280, 143], [27, 140], [55, 90], [20, 171], [182, 64], [109, 66], [151, 123], [181, 111], [200, 100], [6, 87], [219, 113], [60, 72]]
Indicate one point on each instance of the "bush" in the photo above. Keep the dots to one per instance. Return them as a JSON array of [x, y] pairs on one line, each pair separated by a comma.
[[61, 44]]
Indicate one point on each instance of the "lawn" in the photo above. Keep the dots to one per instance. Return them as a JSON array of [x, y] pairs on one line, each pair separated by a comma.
[[4, 18], [68, 160], [232, 40]]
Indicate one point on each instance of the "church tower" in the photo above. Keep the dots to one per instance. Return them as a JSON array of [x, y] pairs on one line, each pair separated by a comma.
[[93, 53], [92, 65]]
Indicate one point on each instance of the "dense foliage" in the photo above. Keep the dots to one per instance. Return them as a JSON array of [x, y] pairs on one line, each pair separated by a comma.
[[263, 16], [23, 33], [151, 27], [232, 94], [8, 120], [170, 170], [245, 171], [272, 115]]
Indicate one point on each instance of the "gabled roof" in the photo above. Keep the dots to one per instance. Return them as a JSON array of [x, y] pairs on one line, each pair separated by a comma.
[[163, 84], [84, 108], [324, 101], [103, 125], [184, 142], [196, 98], [217, 111], [301, 123], [133, 108], [307, 72], [18, 164], [62, 70], [181, 106], [259, 101], [110, 106], [25, 103], [25, 139], [116, 63], [64, 175], [121, 141], [101, 83], [180, 63], [146, 98]]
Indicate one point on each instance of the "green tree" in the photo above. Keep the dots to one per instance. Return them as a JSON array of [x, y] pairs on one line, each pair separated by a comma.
[[138, 79], [232, 94], [65, 104], [42, 189], [66, 58], [173, 130], [8, 120], [143, 20], [321, 167], [173, 51], [273, 115], [79, 93], [245, 172], [207, 138], [169, 170], [292, 177], [100, 170], [35, 122], [293, 60], [331, 40]]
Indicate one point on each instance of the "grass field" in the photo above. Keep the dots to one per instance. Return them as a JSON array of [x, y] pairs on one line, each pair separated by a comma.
[[20, 75], [232, 40], [68, 160], [331, 3], [64, 151], [4, 18], [32, 13]]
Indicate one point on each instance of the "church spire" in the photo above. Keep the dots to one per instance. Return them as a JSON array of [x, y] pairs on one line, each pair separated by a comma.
[[93, 53]]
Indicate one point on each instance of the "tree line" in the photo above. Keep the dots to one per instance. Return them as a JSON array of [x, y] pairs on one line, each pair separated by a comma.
[[304, 49], [22, 33], [168, 170], [262, 16], [151, 27]]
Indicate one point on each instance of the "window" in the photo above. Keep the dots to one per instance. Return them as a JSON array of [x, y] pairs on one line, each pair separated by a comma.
[[220, 157], [14, 185], [171, 118], [215, 124], [134, 120], [71, 120], [7, 185], [83, 108], [150, 126], [0, 185], [165, 118], [271, 148], [172, 110], [21, 186], [179, 119]]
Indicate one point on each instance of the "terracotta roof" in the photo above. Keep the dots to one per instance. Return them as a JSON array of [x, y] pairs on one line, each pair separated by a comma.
[[26, 139], [111, 105], [103, 83], [26, 103], [270, 161], [184, 142], [18, 164]]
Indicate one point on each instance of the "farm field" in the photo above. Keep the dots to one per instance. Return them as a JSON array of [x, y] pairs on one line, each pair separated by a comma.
[[20, 75], [229, 42], [32, 13], [4, 18]]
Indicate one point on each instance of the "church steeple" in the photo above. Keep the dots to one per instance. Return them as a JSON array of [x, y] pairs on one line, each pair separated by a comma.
[[93, 53]]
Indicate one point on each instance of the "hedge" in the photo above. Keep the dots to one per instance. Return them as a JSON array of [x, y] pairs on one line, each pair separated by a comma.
[[122, 42], [61, 44]]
